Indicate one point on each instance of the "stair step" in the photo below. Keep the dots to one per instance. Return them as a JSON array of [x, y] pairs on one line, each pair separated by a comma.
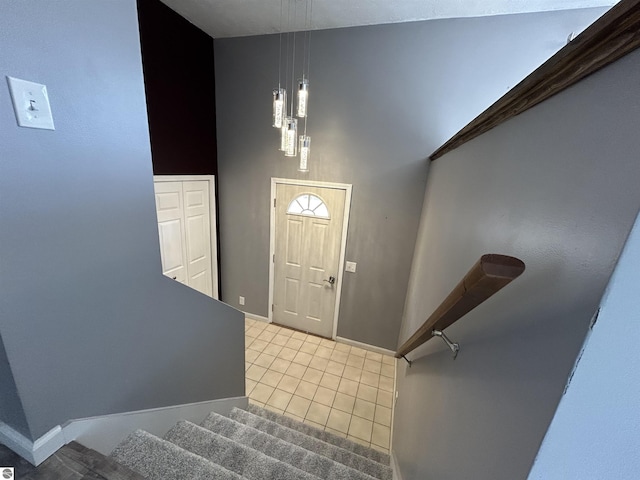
[[157, 459], [303, 459], [344, 443], [332, 451], [241, 459]]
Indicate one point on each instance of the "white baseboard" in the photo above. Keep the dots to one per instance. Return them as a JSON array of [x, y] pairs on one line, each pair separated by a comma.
[[105, 432], [395, 467], [35, 452], [258, 318], [365, 346]]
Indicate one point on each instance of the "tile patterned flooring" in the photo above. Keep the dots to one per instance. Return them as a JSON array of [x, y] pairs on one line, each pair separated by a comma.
[[342, 389]]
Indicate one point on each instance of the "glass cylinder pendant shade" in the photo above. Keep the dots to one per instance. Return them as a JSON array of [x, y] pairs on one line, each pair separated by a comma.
[[305, 151], [279, 107], [283, 134], [303, 97], [292, 137]]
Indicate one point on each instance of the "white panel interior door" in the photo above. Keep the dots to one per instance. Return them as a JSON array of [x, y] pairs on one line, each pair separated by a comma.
[[308, 232], [198, 235], [171, 229], [185, 207]]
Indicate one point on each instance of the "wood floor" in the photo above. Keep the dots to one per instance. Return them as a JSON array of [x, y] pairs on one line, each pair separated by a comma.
[[71, 462]]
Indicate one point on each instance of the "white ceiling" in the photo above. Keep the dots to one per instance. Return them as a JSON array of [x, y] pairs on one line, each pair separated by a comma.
[[234, 18]]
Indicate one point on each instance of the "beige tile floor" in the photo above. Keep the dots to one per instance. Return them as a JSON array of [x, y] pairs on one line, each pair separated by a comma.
[[342, 389]]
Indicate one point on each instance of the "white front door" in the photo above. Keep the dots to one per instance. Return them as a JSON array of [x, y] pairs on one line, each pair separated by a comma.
[[308, 236]]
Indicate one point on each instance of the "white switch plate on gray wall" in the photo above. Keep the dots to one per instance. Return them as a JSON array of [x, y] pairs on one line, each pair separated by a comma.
[[31, 104]]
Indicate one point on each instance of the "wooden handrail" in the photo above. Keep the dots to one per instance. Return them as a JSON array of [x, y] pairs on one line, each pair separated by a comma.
[[489, 275]]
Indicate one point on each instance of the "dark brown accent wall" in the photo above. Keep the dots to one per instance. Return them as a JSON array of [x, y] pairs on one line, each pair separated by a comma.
[[179, 80]]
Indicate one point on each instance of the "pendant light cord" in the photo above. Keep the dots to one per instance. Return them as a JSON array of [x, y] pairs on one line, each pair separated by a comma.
[[280, 49], [308, 56], [306, 37], [286, 70], [293, 59], [309, 46]]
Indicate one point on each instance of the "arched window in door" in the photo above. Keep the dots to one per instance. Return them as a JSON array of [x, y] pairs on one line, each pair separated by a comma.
[[309, 205]]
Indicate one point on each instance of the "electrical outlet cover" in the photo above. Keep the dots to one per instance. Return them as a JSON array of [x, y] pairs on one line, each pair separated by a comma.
[[31, 104]]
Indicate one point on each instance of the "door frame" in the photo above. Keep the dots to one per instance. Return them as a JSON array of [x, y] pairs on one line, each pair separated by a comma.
[[347, 187], [213, 212]]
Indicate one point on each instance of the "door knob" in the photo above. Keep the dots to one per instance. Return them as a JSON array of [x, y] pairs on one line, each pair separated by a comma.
[[331, 280]]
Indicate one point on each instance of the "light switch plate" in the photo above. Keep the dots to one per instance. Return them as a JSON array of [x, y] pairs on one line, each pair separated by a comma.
[[31, 104], [350, 267]]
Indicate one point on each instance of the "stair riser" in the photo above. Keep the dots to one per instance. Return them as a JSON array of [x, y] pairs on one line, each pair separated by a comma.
[[233, 456], [321, 435], [333, 452], [305, 460], [248, 447]]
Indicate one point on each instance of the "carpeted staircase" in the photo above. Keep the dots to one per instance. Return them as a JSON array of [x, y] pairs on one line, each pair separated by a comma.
[[256, 444]]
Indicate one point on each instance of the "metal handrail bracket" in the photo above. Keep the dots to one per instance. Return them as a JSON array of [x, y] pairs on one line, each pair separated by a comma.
[[454, 347]]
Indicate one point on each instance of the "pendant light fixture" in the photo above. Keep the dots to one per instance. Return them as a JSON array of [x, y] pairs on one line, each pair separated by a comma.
[[292, 123], [292, 135], [283, 135], [279, 106], [305, 147], [303, 97], [284, 129], [303, 93], [284, 120], [303, 83], [279, 94]]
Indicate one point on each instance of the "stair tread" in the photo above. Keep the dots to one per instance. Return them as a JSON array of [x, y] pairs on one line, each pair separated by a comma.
[[306, 460], [249, 445], [236, 457], [328, 437], [157, 459], [334, 452]]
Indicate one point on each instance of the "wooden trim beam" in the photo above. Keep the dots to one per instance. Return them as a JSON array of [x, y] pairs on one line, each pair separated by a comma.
[[609, 38], [489, 275]]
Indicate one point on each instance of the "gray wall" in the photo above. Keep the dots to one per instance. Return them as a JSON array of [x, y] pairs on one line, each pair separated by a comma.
[[557, 187], [596, 430], [89, 324], [383, 98], [11, 409]]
